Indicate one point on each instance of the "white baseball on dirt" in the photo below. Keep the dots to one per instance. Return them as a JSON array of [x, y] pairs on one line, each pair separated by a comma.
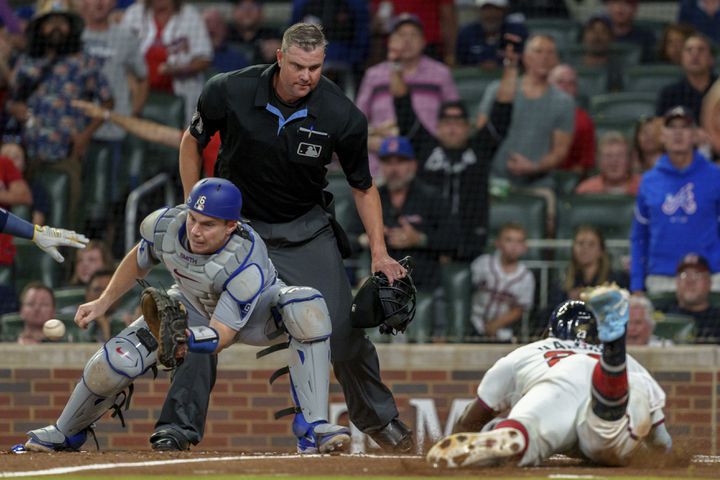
[[54, 329]]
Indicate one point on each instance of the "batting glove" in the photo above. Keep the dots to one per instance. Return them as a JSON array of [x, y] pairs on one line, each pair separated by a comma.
[[48, 239]]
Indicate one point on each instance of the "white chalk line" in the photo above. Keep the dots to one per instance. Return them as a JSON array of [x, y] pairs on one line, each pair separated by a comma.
[[175, 461]]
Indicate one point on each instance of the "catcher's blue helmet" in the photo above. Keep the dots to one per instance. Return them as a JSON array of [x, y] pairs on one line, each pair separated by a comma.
[[572, 320], [216, 197]]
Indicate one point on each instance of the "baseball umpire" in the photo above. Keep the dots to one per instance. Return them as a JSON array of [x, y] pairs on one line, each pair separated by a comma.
[[280, 125], [226, 289]]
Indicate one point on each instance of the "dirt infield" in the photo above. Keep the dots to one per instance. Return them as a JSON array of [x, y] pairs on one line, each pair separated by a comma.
[[208, 464]]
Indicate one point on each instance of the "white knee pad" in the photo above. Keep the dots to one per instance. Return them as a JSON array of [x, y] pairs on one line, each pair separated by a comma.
[[112, 369], [304, 314], [117, 364]]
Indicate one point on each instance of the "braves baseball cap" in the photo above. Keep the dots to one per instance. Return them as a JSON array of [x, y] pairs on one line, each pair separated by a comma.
[[452, 104], [494, 3], [678, 111], [404, 18], [693, 260], [396, 147]]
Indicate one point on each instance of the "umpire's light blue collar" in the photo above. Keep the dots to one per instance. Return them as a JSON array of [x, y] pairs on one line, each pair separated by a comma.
[[262, 95]]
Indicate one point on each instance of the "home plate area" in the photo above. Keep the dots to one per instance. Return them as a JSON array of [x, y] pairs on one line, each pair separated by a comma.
[[209, 464]]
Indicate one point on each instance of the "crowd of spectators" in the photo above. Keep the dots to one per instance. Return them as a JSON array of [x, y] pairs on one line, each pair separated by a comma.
[[78, 76]]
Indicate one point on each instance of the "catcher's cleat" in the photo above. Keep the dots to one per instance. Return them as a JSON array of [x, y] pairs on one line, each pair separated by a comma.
[[320, 437], [395, 437], [50, 439], [168, 441], [610, 305], [477, 449]]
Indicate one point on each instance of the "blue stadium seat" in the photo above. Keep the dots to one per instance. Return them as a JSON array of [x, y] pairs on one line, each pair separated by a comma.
[[623, 105], [564, 31], [457, 285], [612, 214], [34, 265], [527, 210], [57, 185], [471, 83], [651, 78]]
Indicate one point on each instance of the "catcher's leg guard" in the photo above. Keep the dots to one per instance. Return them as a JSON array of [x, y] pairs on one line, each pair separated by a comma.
[[307, 320], [108, 372]]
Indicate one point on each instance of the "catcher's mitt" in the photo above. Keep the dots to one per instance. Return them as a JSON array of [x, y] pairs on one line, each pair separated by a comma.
[[166, 318]]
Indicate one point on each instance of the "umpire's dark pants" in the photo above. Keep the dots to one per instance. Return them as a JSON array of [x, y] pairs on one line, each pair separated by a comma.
[[305, 253]]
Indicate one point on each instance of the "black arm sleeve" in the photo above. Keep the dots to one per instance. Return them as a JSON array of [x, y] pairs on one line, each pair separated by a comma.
[[489, 138], [411, 127], [210, 112], [352, 152]]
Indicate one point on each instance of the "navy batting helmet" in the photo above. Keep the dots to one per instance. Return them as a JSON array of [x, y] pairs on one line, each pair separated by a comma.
[[572, 320], [216, 197]]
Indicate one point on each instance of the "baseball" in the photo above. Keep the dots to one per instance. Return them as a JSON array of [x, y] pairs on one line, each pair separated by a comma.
[[54, 329]]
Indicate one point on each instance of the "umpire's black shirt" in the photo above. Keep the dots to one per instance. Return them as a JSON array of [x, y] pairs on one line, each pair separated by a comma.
[[279, 162]]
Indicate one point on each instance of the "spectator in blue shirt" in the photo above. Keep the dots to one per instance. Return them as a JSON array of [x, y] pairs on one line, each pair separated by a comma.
[[622, 17], [677, 210], [704, 15], [480, 43], [226, 56]]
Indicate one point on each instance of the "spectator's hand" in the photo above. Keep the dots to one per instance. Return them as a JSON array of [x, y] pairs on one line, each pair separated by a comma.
[[19, 110], [520, 165], [387, 265], [87, 312], [511, 53], [92, 110], [164, 69], [48, 239], [404, 236]]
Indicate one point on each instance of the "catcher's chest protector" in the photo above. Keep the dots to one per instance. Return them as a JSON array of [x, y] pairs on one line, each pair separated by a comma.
[[202, 278]]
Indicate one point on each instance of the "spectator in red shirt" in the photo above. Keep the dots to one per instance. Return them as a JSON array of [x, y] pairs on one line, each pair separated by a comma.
[[581, 156], [14, 190], [40, 199]]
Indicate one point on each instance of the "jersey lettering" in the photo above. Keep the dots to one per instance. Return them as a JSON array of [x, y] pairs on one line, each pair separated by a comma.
[[554, 356]]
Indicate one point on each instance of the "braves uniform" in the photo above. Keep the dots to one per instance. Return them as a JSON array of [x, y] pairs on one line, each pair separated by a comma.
[[237, 286], [547, 385], [497, 291]]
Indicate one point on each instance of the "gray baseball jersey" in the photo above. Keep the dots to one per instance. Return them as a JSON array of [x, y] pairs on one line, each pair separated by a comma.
[[226, 285]]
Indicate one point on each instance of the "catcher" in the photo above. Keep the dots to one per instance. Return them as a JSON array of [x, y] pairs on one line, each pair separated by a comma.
[[226, 291]]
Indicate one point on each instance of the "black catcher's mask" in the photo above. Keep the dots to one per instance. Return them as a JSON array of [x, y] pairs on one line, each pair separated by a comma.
[[390, 307]]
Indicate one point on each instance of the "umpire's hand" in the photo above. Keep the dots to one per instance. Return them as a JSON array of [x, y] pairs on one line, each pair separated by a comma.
[[389, 266]]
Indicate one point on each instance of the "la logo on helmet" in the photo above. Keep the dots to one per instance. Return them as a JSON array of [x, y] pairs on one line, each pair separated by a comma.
[[200, 203]]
